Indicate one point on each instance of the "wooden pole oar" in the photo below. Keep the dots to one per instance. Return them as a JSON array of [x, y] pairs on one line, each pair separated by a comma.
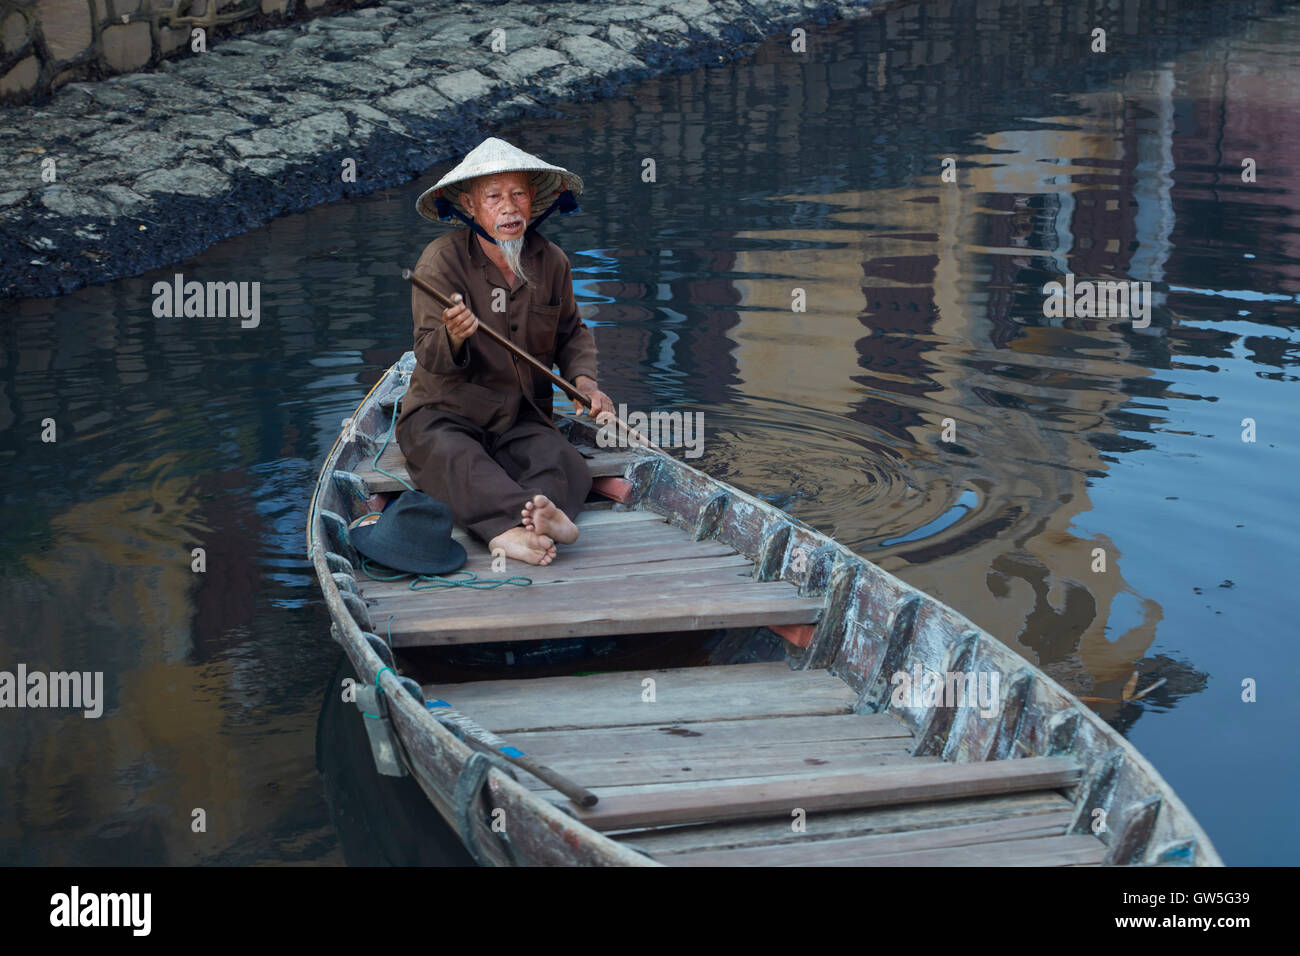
[[565, 386], [489, 742]]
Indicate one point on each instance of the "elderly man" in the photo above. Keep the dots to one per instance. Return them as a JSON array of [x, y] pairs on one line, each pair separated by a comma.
[[476, 424]]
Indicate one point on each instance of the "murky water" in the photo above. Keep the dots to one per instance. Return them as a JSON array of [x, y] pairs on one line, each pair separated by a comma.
[[818, 172]]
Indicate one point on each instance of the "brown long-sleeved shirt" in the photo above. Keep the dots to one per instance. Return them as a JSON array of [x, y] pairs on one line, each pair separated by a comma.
[[484, 382]]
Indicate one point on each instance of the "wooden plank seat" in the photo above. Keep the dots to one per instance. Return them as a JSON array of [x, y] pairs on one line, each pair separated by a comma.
[[630, 572], [681, 696], [913, 782]]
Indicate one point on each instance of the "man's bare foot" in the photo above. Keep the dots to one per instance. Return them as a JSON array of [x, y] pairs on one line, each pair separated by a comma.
[[542, 516], [524, 544]]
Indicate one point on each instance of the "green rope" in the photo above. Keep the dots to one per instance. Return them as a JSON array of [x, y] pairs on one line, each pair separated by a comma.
[[425, 582]]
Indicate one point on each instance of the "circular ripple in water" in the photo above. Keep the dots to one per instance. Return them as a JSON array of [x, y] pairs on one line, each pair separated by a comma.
[[835, 474]]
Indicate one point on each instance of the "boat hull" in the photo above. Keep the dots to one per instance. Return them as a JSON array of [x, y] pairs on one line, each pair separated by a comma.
[[872, 626]]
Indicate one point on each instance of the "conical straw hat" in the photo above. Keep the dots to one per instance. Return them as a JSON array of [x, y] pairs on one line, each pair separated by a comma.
[[497, 156]]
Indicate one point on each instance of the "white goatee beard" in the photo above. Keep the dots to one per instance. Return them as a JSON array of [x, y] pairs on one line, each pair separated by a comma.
[[513, 250]]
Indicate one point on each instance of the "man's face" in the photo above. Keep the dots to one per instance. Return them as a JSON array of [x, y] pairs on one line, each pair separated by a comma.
[[501, 204]]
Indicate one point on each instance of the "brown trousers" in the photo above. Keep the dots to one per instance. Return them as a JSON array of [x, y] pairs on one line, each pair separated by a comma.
[[485, 478]]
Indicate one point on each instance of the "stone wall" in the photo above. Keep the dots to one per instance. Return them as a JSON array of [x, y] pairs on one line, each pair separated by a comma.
[[47, 43], [113, 177]]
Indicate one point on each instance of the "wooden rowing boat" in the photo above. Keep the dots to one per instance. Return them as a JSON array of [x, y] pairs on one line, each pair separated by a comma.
[[732, 693]]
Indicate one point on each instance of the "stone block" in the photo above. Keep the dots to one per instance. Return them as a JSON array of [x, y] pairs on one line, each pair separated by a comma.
[[210, 124], [515, 67], [464, 85], [352, 42], [305, 137], [611, 12], [598, 56], [66, 25], [519, 36], [393, 58], [691, 10], [263, 167], [248, 147], [373, 117], [171, 39], [666, 24], [237, 47], [104, 202], [623, 38], [140, 145], [117, 95], [187, 179], [13, 32], [21, 78], [416, 100], [127, 47]]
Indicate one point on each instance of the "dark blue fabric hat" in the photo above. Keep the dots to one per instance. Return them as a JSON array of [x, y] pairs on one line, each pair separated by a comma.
[[414, 535]]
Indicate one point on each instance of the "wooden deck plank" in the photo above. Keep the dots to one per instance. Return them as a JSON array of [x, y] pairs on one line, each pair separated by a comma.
[[772, 760], [645, 550], [636, 832], [598, 522], [865, 849], [590, 519], [562, 572], [523, 605], [729, 692], [607, 534], [1043, 851], [609, 554], [560, 583], [651, 541], [907, 784], [688, 737], [575, 590], [416, 623], [842, 824]]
